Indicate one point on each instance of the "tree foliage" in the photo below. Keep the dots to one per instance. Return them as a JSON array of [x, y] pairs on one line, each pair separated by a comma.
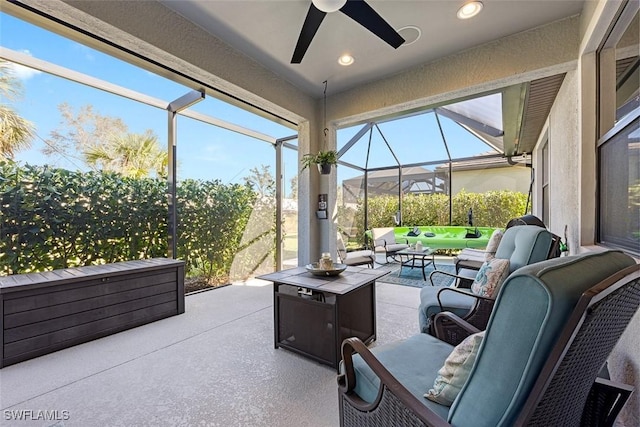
[[133, 155], [213, 217], [81, 131], [262, 181], [16, 132], [104, 143]]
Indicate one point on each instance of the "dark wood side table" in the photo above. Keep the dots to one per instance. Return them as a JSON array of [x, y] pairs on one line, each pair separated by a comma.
[[314, 314]]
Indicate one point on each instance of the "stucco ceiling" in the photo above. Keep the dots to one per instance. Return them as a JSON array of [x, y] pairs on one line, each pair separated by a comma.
[[267, 31]]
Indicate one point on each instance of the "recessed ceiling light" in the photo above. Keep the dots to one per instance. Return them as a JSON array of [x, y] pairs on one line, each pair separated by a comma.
[[470, 9], [346, 59]]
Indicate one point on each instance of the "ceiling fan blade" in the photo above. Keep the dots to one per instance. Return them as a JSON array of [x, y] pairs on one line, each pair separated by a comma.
[[309, 28], [362, 13]]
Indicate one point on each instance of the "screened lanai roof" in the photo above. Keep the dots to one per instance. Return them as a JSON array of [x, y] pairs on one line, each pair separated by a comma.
[[461, 130], [416, 180], [492, 124], [482, 117], [414, 154]]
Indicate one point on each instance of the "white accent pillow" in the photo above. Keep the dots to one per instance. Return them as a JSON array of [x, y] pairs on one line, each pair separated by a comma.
[[452, 376], [490, 277], [492, 244]]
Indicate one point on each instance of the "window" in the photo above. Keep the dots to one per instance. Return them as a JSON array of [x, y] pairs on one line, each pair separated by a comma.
[[619, 130], [620, 188], [545, 183]]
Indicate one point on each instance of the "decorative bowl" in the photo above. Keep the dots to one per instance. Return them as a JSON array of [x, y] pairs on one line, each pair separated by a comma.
[[316, 271]]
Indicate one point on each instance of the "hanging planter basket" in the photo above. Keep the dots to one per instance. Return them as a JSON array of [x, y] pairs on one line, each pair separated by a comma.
[[324, 168], [323, 159]]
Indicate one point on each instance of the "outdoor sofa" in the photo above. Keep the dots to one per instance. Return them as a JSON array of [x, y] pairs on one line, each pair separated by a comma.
[[441, 237]]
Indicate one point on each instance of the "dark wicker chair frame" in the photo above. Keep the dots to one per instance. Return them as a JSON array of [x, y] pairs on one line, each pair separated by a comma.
[[567, 392], [478, 316], [554, 251]]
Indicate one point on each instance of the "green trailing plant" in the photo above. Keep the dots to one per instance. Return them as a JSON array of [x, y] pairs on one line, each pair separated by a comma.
[[320, 158]]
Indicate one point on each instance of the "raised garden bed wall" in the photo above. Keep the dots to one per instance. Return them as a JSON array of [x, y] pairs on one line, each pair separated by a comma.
[[45, 312]]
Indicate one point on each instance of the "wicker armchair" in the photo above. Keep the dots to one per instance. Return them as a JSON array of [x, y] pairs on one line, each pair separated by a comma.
[[521, 245], [545, 374], [472, 259], [479, 310]]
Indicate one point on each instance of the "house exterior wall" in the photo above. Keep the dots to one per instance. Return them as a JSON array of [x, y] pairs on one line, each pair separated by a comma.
[[571, 159], [564, 161], [491, 179], [512, 60], [571, 129]]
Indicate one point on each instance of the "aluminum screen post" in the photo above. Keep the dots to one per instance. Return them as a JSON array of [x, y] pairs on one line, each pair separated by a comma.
[[279, 195], [173, 109]]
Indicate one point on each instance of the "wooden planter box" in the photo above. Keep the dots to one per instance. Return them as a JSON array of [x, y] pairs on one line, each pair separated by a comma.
[[44, 312]]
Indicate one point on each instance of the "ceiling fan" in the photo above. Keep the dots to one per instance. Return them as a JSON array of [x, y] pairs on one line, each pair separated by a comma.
[[358, 10]]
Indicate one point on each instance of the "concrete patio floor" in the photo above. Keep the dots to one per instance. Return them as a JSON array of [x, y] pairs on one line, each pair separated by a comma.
[[215, 365]]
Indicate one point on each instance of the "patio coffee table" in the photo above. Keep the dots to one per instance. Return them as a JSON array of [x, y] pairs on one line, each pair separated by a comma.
[[314, 314], [425, 257]]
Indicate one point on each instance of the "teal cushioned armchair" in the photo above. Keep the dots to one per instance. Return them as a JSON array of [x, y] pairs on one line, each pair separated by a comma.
[[521, 245], [552, 328]]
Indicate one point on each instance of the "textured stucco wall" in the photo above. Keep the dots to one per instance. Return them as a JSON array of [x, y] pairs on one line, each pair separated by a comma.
[[564, 163], [492, 179], [511, 60], [572, 145]]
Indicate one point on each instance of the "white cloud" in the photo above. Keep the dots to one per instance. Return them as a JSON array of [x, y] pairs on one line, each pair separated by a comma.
[[21, 72], [85, 51]]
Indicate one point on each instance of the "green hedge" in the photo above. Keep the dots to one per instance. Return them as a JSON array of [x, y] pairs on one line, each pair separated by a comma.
[[490, 209], [54, 218]]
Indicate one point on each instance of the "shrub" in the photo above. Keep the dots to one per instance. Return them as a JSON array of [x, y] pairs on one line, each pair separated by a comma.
[[54, 218], [490, 209]]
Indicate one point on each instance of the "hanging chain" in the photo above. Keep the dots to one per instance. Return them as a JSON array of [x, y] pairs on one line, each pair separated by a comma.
[[324, 118]]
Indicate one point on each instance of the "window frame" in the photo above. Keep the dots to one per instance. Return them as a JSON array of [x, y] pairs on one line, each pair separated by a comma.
[[608, 129], [546, 188]]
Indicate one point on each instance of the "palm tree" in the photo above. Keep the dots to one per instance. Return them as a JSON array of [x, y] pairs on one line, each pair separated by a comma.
[[16, 132], [133, 155]]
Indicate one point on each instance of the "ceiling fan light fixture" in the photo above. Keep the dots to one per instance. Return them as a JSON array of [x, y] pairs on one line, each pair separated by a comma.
[[469, 9], [410, 34], [329, 6], [346, 60]]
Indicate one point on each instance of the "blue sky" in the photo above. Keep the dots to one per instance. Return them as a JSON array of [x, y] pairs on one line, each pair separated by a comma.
[[205, 152]]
